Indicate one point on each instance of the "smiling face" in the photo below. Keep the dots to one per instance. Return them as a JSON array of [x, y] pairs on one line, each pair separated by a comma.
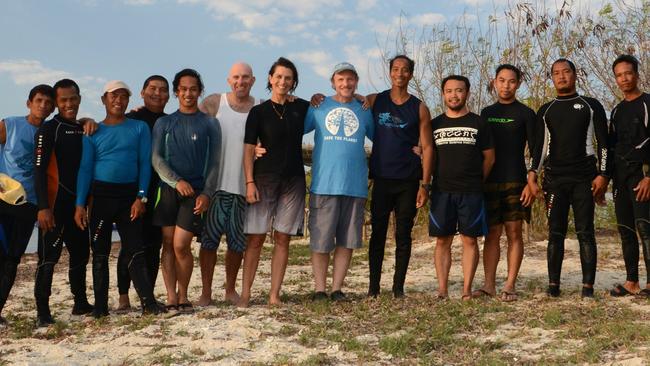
[[116, 102], [67, 102], [400, 73], [455, 94], [506, 85], [281, 81], [40, 106], [564, 78], [345, 84], [188, 93], [241, 80], [155, 95]]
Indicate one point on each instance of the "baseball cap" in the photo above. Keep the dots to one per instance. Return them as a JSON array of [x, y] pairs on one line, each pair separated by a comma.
[[12, 191], [344, 66], [114, 85]]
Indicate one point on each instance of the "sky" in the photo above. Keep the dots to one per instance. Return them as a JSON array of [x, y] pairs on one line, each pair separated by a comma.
[[93, 41]]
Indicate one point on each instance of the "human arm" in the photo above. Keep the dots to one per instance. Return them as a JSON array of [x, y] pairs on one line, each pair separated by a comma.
[[89, 125], [599, 184], [3, 132], [210, 105], [212, 174], [85, 174], [44, 144], [158, 161], [252, 195], [426, 141], [488, 162], [144, 171]]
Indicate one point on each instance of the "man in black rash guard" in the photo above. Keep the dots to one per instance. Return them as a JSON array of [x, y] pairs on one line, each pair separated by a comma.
[[155, 94], [507, 196], [629, 139], [58, 154], [575, 172]]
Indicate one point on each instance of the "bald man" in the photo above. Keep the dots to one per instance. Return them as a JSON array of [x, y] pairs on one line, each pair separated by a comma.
[[227, 211]]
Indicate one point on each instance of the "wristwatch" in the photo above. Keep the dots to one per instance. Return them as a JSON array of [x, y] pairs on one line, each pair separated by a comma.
[[426, 186], [142, 197]]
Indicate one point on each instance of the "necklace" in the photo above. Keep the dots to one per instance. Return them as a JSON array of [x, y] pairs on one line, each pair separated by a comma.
[[284, 109]]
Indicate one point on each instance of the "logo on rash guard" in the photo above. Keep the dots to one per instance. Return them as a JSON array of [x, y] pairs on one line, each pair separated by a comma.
[[338, 117], [385, 119], [578, 106]]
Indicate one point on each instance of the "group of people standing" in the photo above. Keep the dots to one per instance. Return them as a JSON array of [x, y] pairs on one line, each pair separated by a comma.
[[232, 165]]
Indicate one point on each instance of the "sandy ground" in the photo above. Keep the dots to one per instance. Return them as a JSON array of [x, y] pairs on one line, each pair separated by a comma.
[[222, 334]]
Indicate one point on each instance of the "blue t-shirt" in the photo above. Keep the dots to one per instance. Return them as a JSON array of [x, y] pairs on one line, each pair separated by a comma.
[[339, 157], [18, 154], [118, 153]]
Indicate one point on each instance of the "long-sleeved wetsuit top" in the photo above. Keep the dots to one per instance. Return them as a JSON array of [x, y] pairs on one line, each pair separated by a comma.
[[144, 114], [564, 146], [58, 155], [630, 131], [187, 147], [119, 153], [512, 125]]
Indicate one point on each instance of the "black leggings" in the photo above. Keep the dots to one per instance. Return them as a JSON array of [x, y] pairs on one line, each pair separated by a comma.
[[389, 195], [632, 217], [16, 226], [558, 199], [50, 245], [112, 203]]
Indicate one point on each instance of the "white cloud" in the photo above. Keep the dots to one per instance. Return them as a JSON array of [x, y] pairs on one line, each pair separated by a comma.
[[365, 5], [275, 40], [426, 19], [245, 36], [320, 61], [139, 2]]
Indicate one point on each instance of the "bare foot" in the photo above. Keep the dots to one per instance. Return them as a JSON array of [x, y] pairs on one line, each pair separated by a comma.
[[123, 303], [274, 300], [466, 297], [243, 302], [204, 300], [232, 297]]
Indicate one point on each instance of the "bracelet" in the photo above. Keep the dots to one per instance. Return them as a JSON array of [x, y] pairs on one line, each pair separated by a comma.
[[250, 181]]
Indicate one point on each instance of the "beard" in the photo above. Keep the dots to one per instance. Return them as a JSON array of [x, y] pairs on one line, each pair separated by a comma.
[[458, 107]]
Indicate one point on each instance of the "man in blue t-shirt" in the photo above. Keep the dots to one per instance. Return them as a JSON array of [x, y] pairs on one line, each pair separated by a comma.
[[18, 211], [339, 179]]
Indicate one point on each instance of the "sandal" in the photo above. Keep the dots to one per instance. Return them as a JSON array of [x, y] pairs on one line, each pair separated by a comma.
[[644, 294], [185, 308], [478, 293], [508, 296], [620, 291]]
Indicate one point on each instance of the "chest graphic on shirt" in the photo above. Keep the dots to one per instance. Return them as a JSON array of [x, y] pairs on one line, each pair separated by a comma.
[[500, 120], [341, 117], [455, 136], [387, 120]]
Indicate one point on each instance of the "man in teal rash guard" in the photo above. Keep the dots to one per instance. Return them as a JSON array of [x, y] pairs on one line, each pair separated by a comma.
[[186, 147], [115, 171]]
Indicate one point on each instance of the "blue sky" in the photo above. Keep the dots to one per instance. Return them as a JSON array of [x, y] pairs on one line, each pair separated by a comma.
[[92, 41]]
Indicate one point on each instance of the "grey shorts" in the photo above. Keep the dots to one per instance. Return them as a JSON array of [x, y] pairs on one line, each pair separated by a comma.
[[282, 201], [335, 221]]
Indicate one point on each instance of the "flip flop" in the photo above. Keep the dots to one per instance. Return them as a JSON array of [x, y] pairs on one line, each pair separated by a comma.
[[508, 296], [619, 291], [644, 294], [478, 293], [185, 308]]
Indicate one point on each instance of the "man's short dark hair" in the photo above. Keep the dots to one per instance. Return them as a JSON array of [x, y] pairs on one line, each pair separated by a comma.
[[510, 67], [410, 62], [41, 89], [187, 72], [562, 59], [284, 62], [66, 83], [454, 77], [152, 78], [627, 59]]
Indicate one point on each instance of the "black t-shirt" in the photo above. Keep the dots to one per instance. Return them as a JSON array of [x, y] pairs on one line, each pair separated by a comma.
[[512, 125], [281, 137], [459, 144], [143, 114], [566, 129], [629, 131]]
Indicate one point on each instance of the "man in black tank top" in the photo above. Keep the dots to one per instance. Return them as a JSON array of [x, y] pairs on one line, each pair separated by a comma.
[[507, 195], [575, 171], [401, 180], [630, 145]]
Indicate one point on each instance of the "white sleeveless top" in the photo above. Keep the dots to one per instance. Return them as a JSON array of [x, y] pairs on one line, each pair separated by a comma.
[[231, 169]]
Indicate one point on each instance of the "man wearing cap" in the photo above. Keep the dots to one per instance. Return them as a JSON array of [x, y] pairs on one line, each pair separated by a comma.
[[155, 94], [17, 195], [228, 207], [115, 171], [339, 179]]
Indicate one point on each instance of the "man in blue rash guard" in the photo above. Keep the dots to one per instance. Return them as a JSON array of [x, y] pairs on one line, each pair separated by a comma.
[[185, 154], [115, 171], [16, 161]]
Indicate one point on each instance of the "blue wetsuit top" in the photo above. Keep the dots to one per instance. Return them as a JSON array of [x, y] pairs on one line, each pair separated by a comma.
[[118, 153]]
